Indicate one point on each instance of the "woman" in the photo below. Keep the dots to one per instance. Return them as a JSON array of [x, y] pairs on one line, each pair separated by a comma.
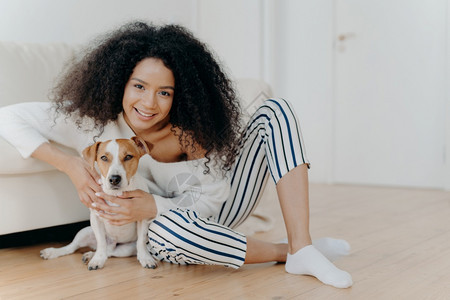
[[162, 84]]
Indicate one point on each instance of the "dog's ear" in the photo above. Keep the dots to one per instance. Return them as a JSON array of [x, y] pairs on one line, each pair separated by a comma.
[[90, 154], [143, 147]]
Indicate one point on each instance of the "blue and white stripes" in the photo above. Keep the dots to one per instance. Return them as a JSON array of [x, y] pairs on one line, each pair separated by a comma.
[[180, 236], [272, 143]]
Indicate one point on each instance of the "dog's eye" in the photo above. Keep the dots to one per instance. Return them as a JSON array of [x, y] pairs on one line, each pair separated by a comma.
[[128, 157], [104, 158]]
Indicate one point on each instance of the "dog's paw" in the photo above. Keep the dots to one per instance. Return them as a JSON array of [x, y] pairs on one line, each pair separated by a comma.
[[87, 256], [147, 261], [48, 253], [97, 262], [93, 265]]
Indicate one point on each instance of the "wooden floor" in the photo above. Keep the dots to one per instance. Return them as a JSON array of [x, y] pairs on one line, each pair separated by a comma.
[[400, 250]]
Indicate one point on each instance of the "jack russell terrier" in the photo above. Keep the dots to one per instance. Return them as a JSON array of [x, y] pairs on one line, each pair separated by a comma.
[[118, 162]]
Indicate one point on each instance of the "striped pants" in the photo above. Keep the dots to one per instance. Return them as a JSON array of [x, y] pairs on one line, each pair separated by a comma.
[[271, 144]]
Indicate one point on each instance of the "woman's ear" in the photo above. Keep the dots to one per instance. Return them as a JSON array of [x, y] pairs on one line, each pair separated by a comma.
[[143, 146], [90, 154]]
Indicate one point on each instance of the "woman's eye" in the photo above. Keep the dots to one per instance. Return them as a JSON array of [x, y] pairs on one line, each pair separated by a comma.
[[164, 93], [139, 86], [128, 157], [104, 158]]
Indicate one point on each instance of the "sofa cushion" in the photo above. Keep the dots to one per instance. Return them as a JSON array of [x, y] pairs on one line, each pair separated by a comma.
[[28, 70]]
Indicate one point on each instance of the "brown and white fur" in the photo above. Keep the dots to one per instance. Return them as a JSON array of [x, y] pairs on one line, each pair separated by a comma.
[[118, 162]]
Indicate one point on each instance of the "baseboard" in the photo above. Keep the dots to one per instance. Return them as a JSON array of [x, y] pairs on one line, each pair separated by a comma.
[[62, 233]]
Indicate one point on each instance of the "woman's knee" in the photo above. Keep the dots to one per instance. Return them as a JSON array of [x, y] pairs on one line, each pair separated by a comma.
[[180, 236], [280, 107], [166, 226], [165, 236]]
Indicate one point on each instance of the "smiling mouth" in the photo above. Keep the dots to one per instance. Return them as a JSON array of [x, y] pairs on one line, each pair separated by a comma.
[[144, 114]]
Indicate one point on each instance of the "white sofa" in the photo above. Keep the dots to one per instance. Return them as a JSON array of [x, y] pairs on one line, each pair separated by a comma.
[[33, 194]]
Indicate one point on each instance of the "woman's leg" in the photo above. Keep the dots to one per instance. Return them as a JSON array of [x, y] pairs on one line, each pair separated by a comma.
[[303, 258], [273, 142], [293, 194], [260, 251], [180, 236], [272, 145]]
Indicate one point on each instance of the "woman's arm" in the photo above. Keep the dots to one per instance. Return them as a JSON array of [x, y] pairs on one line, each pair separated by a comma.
[[206, 199], [205, 194], [30, 126], [80, 173]]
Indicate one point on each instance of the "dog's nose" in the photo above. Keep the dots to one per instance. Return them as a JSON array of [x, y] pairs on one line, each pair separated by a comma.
[[115, 179]]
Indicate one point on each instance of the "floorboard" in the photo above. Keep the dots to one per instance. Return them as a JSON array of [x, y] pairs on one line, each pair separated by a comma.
[[400, 250]]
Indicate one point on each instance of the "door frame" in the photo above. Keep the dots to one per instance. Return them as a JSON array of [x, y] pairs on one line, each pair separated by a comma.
[[447, 108]]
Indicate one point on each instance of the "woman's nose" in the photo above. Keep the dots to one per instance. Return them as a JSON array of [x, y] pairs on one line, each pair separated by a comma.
[[149, 100]]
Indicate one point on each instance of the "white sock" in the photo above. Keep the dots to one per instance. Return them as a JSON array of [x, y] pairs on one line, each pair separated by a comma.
[[309, 261], [331, 248]]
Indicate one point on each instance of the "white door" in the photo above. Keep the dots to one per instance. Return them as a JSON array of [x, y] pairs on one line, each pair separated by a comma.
[[390, 92]]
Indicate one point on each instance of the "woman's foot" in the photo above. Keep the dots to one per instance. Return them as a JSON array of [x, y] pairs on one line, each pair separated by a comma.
[[331, 248], [310, 261]]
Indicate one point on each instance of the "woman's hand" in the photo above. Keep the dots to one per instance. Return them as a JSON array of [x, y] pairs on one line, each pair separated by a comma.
[[85, 178], [132, 206]]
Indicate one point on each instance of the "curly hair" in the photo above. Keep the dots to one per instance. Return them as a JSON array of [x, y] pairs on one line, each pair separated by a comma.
[[205, 108]]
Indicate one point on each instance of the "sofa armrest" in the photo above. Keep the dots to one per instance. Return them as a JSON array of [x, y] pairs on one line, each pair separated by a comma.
[[11, 162], [252, 94]]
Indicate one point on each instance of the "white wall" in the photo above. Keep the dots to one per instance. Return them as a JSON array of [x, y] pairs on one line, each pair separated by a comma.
[[232, 28], [297, 57], [289, 43], [391, 93], [78, 21], [302, 68]]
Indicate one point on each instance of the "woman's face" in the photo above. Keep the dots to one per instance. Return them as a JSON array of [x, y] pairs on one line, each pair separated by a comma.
[[148, 96]]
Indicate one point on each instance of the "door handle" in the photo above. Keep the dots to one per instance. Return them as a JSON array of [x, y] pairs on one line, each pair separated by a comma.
[[341, 38], [345, 36]]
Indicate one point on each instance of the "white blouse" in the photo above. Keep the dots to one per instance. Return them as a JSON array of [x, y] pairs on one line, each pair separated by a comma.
[[174, 185]]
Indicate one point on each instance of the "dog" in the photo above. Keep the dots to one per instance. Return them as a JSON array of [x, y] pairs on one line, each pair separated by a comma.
[[117, 161]]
